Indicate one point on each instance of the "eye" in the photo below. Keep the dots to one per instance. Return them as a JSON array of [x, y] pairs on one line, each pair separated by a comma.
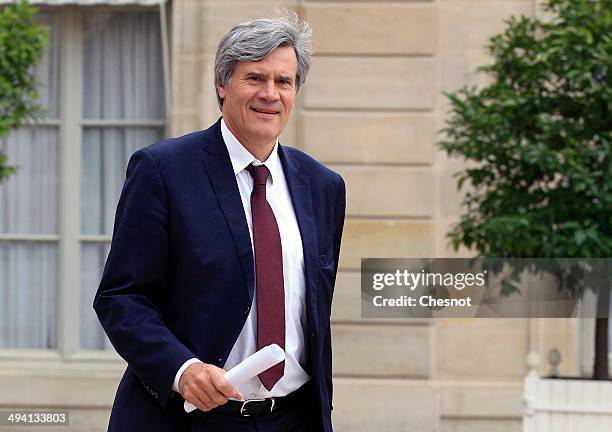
[[285, 82]]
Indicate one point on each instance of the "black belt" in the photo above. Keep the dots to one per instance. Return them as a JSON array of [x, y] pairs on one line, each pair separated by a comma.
[[257, 408]]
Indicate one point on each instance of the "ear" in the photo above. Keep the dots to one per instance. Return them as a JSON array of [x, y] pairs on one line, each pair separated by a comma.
[[222, 91]]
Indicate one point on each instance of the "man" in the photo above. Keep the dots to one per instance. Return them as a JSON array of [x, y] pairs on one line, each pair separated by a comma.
[[226, 241]]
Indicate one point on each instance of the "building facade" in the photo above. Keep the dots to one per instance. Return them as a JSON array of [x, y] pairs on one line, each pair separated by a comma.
[[119, 75]]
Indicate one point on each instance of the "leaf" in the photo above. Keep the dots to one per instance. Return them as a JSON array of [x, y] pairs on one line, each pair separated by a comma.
[[537, 138], [21, 46]]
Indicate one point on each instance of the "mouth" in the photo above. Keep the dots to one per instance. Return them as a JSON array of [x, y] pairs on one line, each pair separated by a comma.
[[265, 111]]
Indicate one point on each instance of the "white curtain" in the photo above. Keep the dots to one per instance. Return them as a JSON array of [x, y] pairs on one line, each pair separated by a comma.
[[28, 295], [105, 154], [28, 200], [123, 79], [93, 256], [29, 205], [122, 69]]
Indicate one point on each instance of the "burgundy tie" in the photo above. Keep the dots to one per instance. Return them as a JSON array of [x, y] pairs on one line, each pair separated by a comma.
[[268, 273]]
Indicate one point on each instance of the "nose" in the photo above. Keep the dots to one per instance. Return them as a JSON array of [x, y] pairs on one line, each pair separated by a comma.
[[268, 91]]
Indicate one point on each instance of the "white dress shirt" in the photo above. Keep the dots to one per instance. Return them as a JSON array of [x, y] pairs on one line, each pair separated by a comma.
[[277, 194]]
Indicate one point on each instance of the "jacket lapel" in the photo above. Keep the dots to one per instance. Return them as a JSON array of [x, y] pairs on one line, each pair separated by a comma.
[[299, 189], [218, 165]]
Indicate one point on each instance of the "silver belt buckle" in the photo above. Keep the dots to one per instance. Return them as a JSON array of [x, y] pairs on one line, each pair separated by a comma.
[[244, 404]]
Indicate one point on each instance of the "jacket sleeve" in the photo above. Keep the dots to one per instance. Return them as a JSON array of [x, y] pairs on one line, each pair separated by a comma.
[[338, 228], [135, 278], [339, 223]]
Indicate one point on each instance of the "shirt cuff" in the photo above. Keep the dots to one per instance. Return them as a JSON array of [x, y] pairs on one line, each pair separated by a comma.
[[175, 385]]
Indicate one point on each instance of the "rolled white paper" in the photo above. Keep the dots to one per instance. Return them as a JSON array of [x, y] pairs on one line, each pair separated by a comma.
[[250, 367]]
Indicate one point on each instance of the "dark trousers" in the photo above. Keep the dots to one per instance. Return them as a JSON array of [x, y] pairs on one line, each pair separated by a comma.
[[302, 416]]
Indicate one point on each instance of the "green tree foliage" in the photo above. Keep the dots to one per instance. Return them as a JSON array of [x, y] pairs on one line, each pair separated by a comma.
[[537, 139], [21, 46]]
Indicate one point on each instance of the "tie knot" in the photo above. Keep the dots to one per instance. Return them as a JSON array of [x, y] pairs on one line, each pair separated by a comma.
[[259, 173]]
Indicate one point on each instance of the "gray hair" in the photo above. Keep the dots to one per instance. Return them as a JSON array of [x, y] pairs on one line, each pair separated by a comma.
[[252, 41]]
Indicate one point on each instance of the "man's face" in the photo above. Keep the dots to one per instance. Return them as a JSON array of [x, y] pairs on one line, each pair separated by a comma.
[[258, 100]]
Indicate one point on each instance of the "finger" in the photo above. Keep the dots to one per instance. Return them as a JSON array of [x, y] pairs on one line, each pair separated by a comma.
[[207, 400], [215, 395], [202, 406], [200, 387], [208, 392], [202, 403], [223, 387]]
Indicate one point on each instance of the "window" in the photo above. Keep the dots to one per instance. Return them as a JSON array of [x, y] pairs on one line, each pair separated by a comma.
[[29, 218], [103, 85]]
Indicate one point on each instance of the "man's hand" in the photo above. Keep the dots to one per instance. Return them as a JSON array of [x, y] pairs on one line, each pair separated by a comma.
[[204, 385]]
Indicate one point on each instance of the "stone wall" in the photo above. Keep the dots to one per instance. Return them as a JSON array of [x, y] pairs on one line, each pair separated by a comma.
[[370, 110]]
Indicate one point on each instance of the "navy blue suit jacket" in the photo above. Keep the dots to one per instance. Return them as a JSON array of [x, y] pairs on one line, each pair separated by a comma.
[[179, 280]]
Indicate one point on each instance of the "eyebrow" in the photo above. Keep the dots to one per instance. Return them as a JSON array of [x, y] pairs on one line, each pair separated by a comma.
[[261, 74]]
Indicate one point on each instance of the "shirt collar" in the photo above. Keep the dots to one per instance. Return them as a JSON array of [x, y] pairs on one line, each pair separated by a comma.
[[241, 157]]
